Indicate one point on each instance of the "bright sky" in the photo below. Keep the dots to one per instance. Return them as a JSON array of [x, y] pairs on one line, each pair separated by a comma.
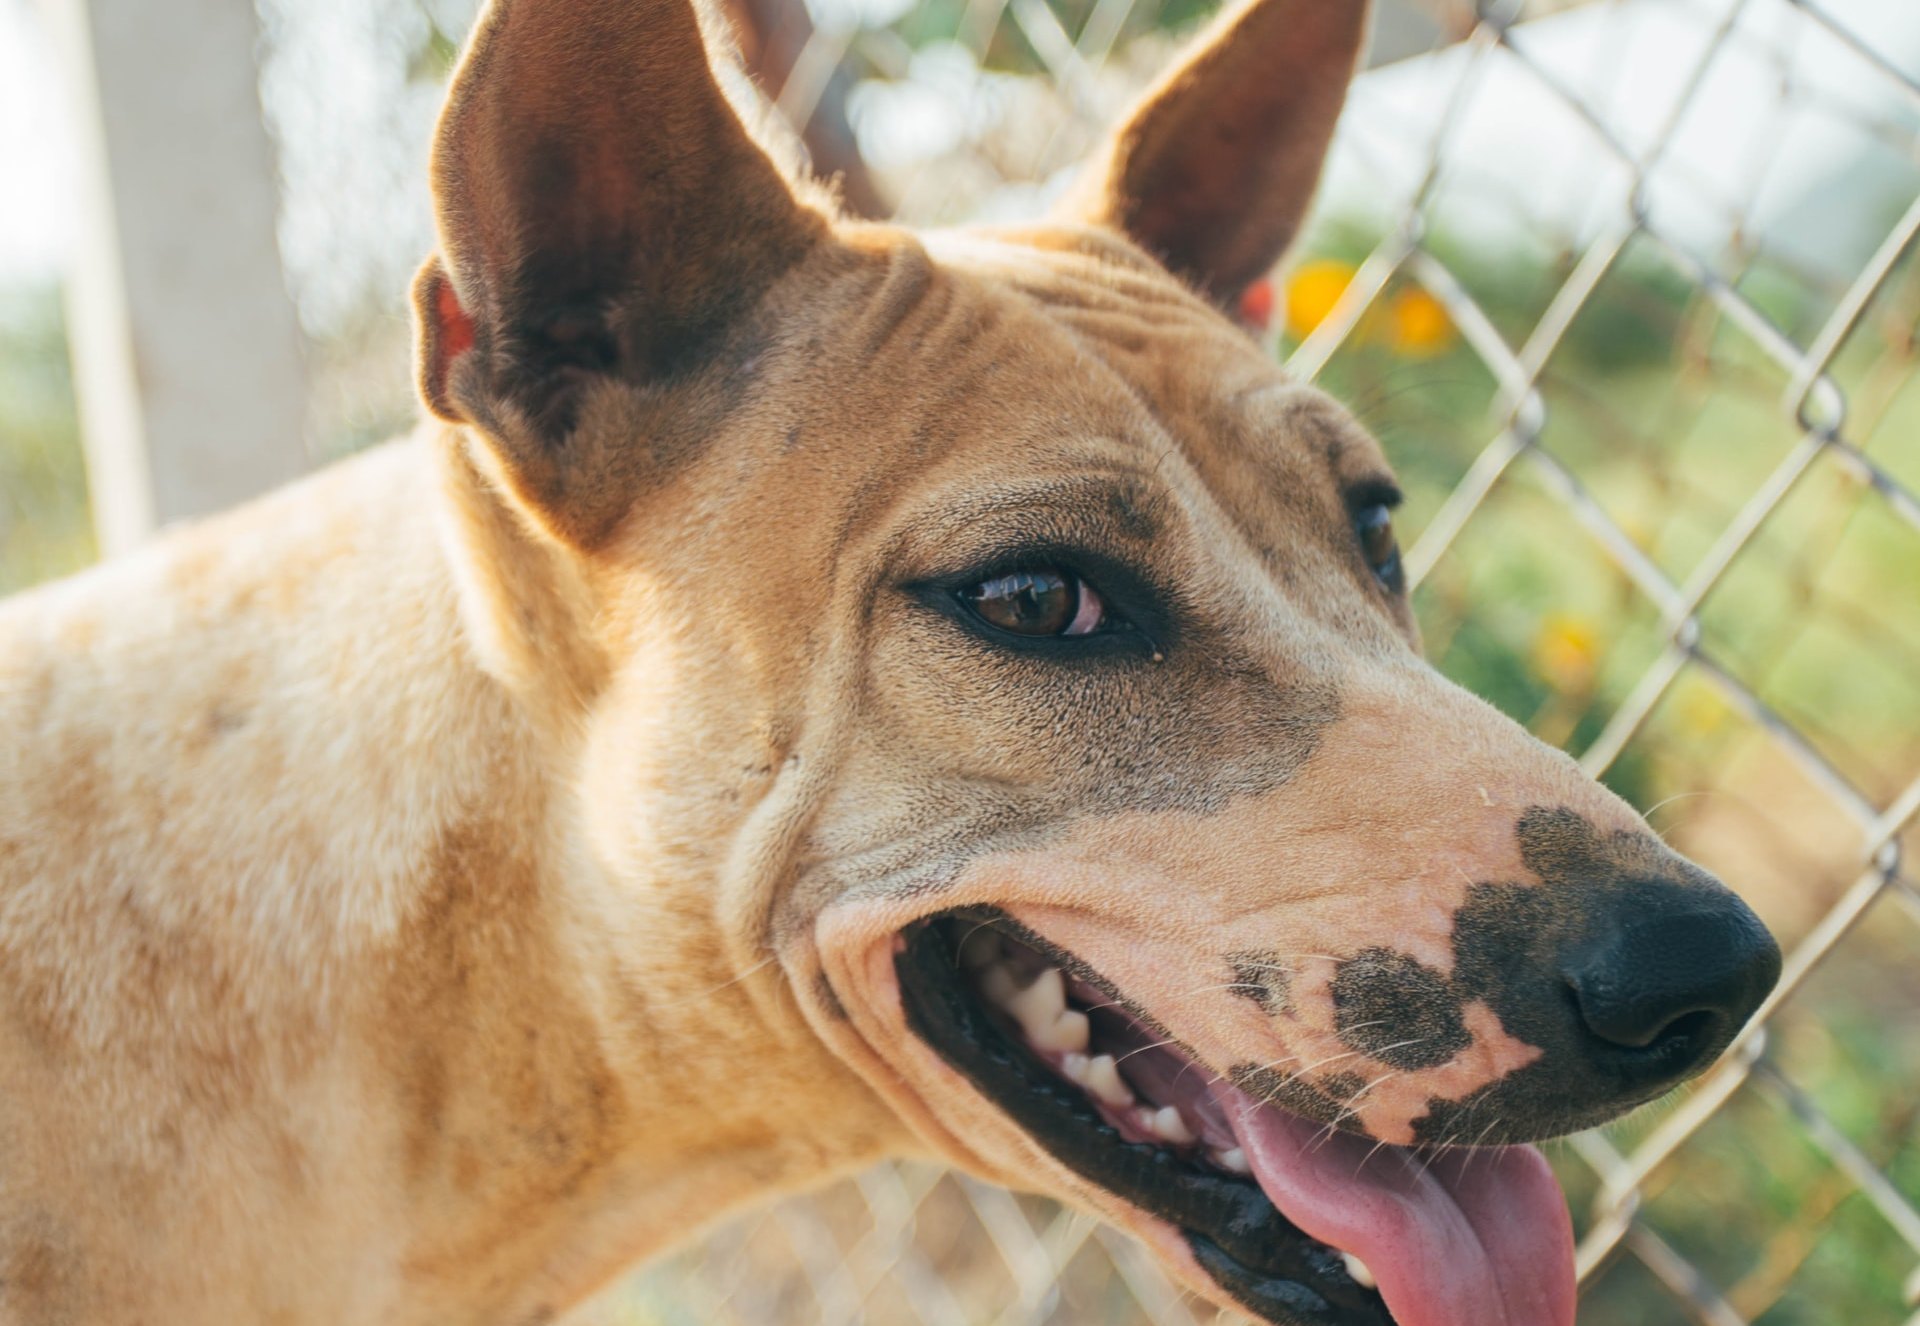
[[36, 150], [1781, 130], [1522, 154]]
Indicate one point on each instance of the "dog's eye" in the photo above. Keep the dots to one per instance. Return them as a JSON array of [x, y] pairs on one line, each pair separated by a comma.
[[1374, 525], [1047, 601]]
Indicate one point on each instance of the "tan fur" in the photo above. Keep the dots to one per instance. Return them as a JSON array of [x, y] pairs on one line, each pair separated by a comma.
[[442, 883]]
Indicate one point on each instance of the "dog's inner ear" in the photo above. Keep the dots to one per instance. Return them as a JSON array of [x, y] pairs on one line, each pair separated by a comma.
[[602, 212], [1214, 169]]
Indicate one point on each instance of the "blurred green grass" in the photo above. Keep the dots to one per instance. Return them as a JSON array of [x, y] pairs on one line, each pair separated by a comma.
[[44, 530]]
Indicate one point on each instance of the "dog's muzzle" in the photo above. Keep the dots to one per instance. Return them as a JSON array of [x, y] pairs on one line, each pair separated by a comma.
[[1303, 1224]]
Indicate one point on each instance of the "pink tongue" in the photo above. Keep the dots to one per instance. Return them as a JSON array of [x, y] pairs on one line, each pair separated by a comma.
[[1460, 1238]]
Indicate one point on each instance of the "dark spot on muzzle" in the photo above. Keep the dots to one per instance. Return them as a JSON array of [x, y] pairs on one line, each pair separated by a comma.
[[1398, 1010], [1630, 969], [1263, 977]]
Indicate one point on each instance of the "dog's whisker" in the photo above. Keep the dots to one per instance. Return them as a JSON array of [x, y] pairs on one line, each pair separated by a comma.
[[708, 993], [967, 938], [1350, 1028], [1378, 1050], [1474, 1149], [1156, 1045]]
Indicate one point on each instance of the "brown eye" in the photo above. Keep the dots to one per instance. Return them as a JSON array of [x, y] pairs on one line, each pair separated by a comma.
[[1036, 603], [1374, 526]]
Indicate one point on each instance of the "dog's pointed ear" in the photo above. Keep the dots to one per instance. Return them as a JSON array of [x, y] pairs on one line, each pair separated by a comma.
[[602, 213], [1214, 169]]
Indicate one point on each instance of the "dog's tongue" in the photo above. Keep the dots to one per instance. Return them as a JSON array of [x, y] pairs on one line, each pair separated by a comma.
[[1456, 1238]]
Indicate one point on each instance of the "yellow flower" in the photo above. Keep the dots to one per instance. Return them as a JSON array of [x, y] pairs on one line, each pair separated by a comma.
[[1417, 324], [1566, 652], [1312, 291], [1412, 322], [1699, 710]]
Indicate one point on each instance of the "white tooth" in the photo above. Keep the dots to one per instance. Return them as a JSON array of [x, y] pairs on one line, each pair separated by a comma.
[[1356, 1268], [1040, 1005], [981, 948], [997, 983], [1068, 1032], [1103, 1080], [1075, 1067], [1170, 1126], [1234, 1160]]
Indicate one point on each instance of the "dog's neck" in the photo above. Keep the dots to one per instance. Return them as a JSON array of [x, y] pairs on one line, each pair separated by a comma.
[[614, 1050], [557, 1060]]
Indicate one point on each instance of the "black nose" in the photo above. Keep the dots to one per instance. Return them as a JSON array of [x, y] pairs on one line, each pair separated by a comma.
[[1666, 974]]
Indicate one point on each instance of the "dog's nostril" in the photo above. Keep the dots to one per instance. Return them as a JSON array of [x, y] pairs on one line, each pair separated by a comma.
[[1674, 1045], [1684, 1036], [1673, 980], [1638, 1019]]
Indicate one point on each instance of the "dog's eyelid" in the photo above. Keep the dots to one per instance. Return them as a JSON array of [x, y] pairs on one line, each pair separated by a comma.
[[1375, 490], [1132, 604], [1112, 574]]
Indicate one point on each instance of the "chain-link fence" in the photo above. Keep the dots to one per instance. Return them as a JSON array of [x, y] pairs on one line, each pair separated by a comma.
[[1628, 288]]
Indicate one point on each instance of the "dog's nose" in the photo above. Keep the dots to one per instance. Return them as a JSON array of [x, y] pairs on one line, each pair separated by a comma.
[[1625, 967], [1665, 974]]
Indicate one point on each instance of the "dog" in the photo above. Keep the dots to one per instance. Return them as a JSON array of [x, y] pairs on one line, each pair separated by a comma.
[[811, 692]]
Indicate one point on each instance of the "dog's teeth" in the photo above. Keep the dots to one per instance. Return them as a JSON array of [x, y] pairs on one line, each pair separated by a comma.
[[1358, 1269], [1103, 1080], [1040, 1005], [1170, 1127], [1075, 1067], [1068, 1032], [980, 949], [997, 983], [1234, 1161]]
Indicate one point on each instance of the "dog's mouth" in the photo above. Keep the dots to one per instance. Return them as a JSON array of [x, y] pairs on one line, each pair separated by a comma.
[[1301, 1224]]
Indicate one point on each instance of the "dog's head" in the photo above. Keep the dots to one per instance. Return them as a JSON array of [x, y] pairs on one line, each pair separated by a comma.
[[1004, 642]]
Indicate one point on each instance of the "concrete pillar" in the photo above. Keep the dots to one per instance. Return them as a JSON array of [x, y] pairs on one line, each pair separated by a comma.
[[187, 352]]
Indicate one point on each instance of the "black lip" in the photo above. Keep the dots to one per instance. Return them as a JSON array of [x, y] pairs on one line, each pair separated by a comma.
[[1252, 1251]]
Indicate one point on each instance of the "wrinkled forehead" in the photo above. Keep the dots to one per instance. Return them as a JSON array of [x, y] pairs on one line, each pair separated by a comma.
[[1269, 450]]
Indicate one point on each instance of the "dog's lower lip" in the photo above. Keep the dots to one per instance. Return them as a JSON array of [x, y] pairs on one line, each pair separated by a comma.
[[1233, 1230]]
